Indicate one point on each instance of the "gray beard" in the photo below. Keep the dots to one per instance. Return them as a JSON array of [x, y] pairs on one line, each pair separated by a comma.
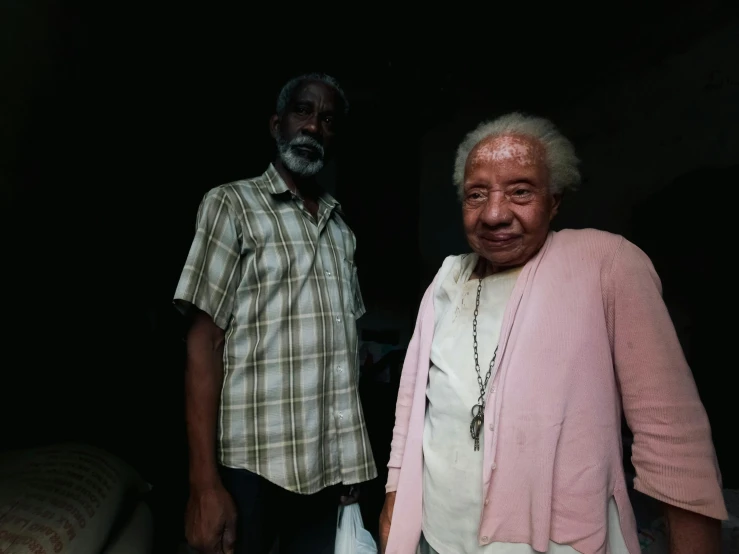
[[296, 162]]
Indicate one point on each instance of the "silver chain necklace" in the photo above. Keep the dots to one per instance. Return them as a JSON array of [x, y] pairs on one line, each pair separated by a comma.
[[478, 410]]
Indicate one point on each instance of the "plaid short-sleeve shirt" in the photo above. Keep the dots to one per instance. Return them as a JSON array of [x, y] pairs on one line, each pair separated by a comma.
[[283, 286]]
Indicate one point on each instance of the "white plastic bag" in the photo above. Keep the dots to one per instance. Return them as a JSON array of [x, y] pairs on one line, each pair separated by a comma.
[[351, 536]]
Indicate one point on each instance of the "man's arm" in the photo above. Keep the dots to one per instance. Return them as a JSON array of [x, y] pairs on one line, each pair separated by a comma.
[[203, 382], [210, 519], [208, 285], [691, 533]]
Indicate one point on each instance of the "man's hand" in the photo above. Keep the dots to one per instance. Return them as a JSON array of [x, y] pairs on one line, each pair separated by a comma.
[[386, 518], [352, 496], [210, 520]]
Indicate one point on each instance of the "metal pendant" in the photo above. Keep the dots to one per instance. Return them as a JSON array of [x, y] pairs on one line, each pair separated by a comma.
[[478, 418]]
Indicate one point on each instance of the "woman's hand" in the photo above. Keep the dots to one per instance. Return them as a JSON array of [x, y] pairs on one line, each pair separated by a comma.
[[386, 518]]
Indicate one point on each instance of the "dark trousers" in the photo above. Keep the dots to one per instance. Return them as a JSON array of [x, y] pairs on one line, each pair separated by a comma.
[[300, 523]]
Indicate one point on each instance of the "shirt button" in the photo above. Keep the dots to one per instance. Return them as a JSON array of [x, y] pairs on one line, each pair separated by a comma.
[[491, 427], [338, 319], [485, 540], [492, 389], [494, 466], [328, 274], [487, 501], [338, 368], [341, 416]]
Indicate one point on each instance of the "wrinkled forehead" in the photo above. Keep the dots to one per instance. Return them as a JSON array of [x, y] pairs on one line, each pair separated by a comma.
[[314, 92], [507, 149]]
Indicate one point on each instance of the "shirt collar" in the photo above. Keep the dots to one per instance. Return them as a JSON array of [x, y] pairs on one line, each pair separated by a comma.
[[274, 184]]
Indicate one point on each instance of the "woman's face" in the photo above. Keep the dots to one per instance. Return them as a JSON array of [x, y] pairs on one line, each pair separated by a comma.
[[507, 204]]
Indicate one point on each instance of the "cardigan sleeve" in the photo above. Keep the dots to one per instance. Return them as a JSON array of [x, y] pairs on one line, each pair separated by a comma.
[[673, 452], [406, 391]]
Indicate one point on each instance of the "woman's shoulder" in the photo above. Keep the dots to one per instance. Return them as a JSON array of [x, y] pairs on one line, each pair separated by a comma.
[[587, 243], [455, 268], [595, 248], [456, 261]]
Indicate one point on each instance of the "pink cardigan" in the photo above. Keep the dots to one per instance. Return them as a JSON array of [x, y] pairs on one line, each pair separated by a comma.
[[585, 334]]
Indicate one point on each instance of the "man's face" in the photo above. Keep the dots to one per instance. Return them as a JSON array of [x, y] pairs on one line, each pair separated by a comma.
[[305, 132], [507, 204]]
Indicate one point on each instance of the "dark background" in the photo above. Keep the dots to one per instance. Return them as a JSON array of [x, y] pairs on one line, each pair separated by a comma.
[[117, 118]]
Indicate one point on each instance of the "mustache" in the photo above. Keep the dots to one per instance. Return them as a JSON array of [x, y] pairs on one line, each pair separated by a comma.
[[306, 141]]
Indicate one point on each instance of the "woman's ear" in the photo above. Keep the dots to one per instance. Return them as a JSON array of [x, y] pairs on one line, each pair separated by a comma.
[[557, 200]]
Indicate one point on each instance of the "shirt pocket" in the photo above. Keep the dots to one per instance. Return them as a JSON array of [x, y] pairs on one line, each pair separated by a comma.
[[353, 302]]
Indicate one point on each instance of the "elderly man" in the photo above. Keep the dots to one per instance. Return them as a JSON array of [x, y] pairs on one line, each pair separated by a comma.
[[272, 365], [526, 352]]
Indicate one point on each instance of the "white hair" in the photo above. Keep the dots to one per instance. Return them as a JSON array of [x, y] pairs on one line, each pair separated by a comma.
[[287, 91], [559, 152]]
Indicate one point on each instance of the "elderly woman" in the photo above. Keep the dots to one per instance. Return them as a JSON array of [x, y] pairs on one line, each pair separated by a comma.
[[508, 422]]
